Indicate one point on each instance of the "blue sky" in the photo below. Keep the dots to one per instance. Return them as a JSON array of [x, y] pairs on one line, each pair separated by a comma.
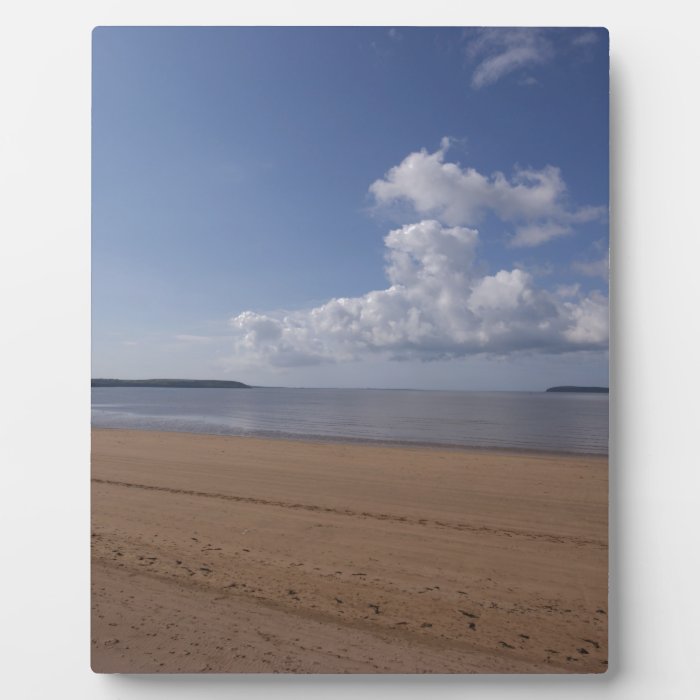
[[400, 207]]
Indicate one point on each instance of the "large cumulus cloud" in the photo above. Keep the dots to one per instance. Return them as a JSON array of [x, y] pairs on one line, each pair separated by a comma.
[[437, 304]]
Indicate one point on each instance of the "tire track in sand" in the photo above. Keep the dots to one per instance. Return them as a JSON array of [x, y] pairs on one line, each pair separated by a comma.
[[425, 522]]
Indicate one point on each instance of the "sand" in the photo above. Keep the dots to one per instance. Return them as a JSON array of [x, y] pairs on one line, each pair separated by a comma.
[[237, 554]]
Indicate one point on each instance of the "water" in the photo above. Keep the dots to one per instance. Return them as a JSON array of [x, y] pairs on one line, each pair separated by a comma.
[[575, 423]]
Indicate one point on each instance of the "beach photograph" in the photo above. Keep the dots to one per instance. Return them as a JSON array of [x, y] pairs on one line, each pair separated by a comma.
[[350, 350]]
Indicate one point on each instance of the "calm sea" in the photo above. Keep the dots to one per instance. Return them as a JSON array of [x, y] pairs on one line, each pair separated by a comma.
[[511, 420]]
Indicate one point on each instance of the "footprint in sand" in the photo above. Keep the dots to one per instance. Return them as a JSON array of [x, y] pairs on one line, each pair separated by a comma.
[[468, 614]]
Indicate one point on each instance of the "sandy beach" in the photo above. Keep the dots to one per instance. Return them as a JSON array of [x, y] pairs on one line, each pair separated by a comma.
[[239, 554]]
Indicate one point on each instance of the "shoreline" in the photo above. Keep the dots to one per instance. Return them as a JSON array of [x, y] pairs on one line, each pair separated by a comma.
[[342, 440], [249, 555]]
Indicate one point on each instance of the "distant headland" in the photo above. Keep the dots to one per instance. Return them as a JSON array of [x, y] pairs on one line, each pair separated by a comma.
[[171, 383], [580, 389]]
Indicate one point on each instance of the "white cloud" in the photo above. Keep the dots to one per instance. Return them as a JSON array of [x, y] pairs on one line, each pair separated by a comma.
[[534, 201], [597, 268], [504, 290], [590, 318], [534, 234], [438, 305], [568, 290], [585, 39], [499, 52]]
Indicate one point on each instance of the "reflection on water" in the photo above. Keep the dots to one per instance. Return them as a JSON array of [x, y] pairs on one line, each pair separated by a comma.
[[518, 420]]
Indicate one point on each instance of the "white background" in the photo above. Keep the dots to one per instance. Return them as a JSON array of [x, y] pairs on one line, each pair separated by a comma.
[[45, 347]]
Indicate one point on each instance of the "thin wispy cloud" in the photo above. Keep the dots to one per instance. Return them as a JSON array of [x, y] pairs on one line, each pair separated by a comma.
[[496, 53], [529, 81], [585, 39], [198, 339], [595, 268]]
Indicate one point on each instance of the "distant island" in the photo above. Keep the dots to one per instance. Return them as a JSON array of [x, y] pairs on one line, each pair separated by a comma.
[[580, 389], [171, 383]]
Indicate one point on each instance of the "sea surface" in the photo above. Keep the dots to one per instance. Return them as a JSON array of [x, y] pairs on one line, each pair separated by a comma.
[[576, 423]]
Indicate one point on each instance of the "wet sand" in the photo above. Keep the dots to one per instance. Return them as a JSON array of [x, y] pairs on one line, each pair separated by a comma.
[[237, 554]]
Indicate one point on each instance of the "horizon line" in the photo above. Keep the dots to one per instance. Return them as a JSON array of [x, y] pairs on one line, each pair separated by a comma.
[[350, 388]]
